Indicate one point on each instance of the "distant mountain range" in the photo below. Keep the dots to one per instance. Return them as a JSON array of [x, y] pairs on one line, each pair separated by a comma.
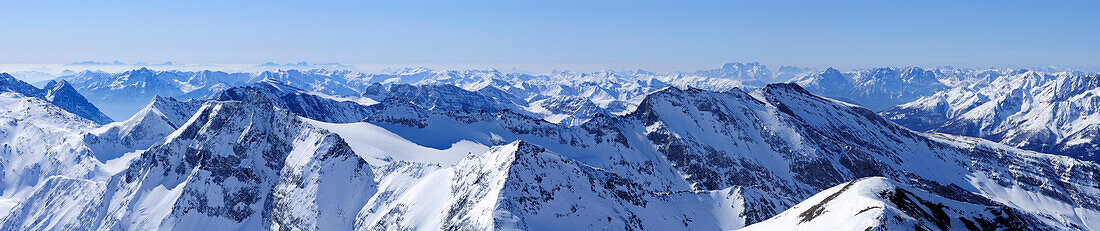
[[1055, 113], [121, 94]]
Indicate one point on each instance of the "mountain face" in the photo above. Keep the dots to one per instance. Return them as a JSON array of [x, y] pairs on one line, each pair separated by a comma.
[[148, 127], [234, 165], [565, 110], [63, 95], [877, 88], [1051, 113], [435, 97], [300, 102], [59, 93], [877, 203], [763, 150], [38, 141]]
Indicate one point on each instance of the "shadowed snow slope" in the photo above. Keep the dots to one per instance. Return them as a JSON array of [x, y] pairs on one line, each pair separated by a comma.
[[877, 203], [58, 93]]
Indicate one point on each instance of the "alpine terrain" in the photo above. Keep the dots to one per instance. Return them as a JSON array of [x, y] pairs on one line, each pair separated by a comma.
[[417, 149]]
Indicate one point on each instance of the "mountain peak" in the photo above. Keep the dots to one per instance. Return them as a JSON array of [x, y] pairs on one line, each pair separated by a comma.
[[831, 72], [786, 87], [4, 76], [58, 85], [12, 84], [57, 92], [247, 96], [739, 65]]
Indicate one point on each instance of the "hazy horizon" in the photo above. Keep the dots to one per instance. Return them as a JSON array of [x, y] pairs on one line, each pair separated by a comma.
[[574, 35], [57, 69]]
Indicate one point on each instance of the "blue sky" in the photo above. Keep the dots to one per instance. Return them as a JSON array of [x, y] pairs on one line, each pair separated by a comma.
[[680, 35]]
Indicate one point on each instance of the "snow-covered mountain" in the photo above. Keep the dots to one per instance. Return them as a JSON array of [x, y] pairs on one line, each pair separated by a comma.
[[877, 203], [762, 150], [877, 88], [437, 97], [159, 118], [59, 93], [476, 150], [233, 165], [753, 73], [1053, 113], [38, 141], [301, 102], [122, 94]]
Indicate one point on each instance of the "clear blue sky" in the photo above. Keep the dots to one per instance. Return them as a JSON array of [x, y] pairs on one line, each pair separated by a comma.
[[616, 34]]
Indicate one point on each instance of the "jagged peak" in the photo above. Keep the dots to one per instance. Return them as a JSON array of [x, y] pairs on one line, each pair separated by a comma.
[[158, 102], [213, 114], [9, 82], [914, 70], [516, 151], [142, 70], [50, 84], [247, 95], [158, 98], [524, 147], [59, 84], [57, 88], [6, 76], [735, 65], [786, 88], [277, 85], [676, 92]]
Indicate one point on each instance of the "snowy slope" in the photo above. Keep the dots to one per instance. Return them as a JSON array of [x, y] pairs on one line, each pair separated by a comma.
[[566, 110], [39, 141], [59, 93], [1051, 113], [233, 165], [148, 127], [63, 95], [773, 147], [521, 186], [877, 203]]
